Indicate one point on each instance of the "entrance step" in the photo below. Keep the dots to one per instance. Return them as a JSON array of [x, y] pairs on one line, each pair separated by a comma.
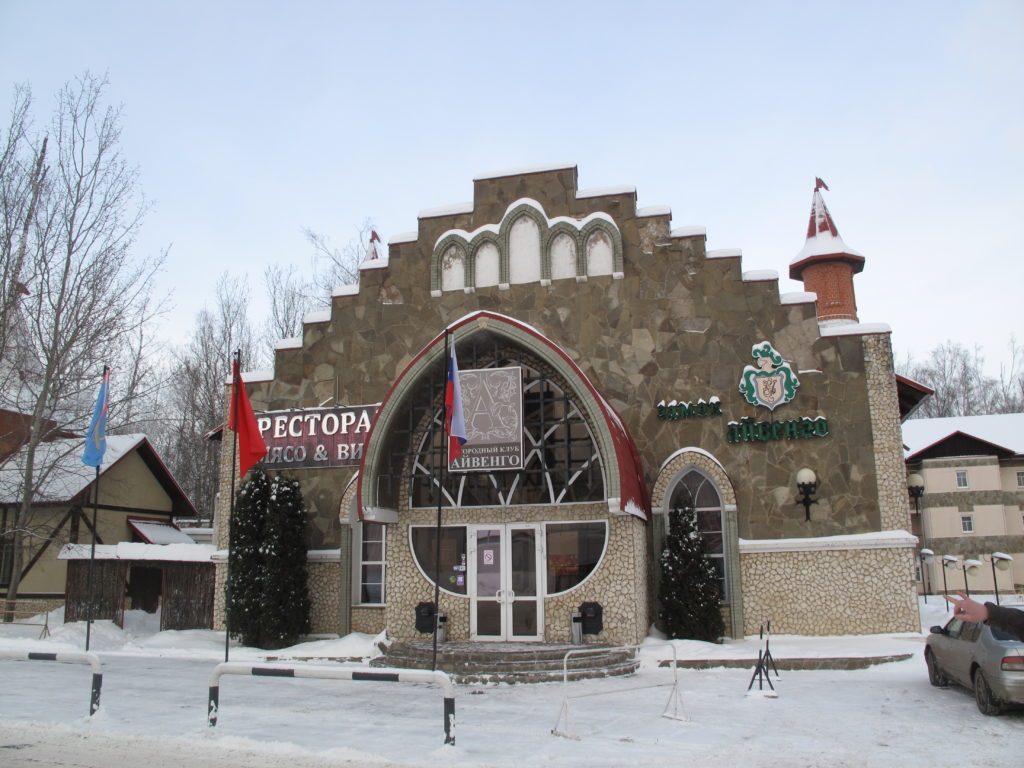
[[511, 662]]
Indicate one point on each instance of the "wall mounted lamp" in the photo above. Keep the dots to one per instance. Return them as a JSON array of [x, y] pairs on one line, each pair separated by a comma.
[[807, 484]]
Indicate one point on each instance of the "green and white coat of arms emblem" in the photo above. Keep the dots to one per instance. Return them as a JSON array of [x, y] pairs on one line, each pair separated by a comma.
[[772, 382]]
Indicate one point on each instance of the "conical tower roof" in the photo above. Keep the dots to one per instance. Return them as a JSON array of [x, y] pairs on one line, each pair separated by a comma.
[[823, 240]]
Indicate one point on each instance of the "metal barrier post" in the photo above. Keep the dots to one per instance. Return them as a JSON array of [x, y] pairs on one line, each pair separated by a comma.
[[72, 657]]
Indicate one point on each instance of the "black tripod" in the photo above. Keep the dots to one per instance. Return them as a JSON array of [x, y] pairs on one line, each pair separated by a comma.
[[764, 660]]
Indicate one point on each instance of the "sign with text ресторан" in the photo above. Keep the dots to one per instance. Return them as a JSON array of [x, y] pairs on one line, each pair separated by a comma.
[[304, 438]]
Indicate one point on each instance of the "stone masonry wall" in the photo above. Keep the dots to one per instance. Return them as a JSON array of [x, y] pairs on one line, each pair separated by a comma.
[[841, 592], [619, 582], [887, 437]]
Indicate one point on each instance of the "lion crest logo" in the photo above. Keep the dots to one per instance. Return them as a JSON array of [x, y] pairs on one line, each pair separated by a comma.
[[769, 383]]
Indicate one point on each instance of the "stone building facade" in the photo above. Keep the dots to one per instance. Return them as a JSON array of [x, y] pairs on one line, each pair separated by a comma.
[[655, 373]]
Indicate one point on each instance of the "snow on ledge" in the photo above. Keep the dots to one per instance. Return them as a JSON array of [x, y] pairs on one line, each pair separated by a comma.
[[692, 231], [626, 189], [348, 289], [853, 329], [798, 297], [654, 210], [378, 263], [758, 275], [263, 374], [403, 237], [524, 171], [724, 253], [130, 550], [321, 315], [877, 540], [293, 343], [446, 210]]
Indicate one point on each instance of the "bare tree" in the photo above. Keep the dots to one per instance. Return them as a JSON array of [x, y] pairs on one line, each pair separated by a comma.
[[196, 391], [84, 300], [961, 386], [337, 266], [291, 298]]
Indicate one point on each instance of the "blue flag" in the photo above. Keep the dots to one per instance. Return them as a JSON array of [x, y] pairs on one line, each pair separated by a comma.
[[96, 435]]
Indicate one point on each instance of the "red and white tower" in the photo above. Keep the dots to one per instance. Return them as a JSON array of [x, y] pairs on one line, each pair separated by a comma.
[[826, 264]]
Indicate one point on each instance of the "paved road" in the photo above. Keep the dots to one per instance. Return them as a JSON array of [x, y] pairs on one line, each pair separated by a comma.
[[35, 746]]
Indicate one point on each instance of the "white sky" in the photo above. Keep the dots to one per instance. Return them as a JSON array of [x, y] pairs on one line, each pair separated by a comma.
[[252, 120]]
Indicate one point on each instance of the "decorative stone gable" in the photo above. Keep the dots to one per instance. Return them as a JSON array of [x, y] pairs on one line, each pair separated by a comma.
[[526, 247]]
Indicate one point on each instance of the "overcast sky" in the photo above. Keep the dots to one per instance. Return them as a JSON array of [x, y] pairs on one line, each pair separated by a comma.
[[250, 121]]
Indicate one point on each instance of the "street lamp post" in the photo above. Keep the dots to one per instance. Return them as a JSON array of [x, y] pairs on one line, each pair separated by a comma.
[[948, 561], [1002, 561], [807, 484], [926, 557], [969, 566]]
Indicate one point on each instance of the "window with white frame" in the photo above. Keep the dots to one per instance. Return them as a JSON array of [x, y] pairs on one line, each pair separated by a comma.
[[371, 564], [961, 478], [967, 523], [1020, 479]]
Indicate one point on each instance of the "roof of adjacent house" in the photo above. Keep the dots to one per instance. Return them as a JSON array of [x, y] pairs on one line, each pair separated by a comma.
[[62, 478], [995, 434]]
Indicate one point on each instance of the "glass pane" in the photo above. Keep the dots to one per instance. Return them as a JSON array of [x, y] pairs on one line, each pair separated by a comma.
[[373, 532], [709, 521], [453, 555], [372, 593], [373, 551], [713, 543], [524, 562], [574, 550], [373, 574], [524, 618], [488, 562], [488, 618]]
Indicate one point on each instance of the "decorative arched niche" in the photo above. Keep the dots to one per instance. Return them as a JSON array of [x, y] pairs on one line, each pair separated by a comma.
[[698, 477]]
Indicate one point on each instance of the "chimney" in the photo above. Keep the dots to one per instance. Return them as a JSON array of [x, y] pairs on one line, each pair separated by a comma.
[[826, 265]]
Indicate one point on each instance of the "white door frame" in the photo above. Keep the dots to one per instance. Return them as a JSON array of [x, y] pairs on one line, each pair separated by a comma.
[[504, 595]]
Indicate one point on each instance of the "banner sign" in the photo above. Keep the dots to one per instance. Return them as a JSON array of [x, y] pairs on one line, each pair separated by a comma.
[[305, 438], [492, 403]]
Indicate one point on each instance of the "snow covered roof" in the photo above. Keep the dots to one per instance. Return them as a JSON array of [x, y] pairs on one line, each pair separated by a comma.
[[62, 477], [67, 475], [178, 553], [1004, 430], [823, 240], [156, 532]]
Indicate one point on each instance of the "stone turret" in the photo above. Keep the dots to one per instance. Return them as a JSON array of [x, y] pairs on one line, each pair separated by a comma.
[[826, 265]]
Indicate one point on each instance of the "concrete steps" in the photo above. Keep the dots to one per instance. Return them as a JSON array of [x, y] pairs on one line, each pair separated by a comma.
[[511, 662]]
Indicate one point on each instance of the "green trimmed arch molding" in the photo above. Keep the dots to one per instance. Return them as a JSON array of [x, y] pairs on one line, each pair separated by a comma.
[[620, 484], [468, 244]]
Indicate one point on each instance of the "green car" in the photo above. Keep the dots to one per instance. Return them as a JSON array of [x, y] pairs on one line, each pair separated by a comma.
[[980, 658]]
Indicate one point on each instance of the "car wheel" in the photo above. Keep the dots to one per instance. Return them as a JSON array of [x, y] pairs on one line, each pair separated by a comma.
[[935, 676], [987, 704]]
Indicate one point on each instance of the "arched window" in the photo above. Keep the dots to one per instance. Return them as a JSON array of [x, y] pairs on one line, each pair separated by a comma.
[[561, 464], [695, 491]]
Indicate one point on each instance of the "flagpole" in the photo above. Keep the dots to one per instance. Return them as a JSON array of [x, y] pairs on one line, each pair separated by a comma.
[[95, 530], [440, 495], [231, 515], [92, 561]]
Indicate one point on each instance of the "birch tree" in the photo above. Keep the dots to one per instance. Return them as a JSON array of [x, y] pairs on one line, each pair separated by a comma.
[[83, 298]]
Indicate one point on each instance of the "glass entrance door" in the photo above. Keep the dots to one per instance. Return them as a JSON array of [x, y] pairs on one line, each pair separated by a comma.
[[506, 600]]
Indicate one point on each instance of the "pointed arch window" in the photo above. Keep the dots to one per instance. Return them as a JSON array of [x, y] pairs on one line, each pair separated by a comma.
[[562, 464], [696, 492]]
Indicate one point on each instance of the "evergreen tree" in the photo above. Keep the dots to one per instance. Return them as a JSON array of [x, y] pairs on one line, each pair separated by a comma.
[[689, 593], [267, 572]]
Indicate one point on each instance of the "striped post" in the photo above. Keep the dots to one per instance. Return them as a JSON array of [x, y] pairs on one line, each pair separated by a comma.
[[437, 678], [67, 658]]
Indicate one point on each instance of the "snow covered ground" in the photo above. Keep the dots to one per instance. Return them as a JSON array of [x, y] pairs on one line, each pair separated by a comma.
[[153, 710]]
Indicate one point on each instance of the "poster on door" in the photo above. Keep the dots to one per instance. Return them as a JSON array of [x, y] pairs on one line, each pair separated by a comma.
[[492, 404]]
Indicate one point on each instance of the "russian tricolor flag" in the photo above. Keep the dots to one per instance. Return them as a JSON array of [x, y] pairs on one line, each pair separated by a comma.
[[455, 422]]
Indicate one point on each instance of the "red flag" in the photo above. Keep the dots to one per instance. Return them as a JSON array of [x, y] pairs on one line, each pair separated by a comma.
[[455, 420], [242, 421], [818, 184]]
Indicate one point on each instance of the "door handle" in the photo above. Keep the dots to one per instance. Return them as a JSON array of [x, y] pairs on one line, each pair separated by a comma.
[[511, 596]]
